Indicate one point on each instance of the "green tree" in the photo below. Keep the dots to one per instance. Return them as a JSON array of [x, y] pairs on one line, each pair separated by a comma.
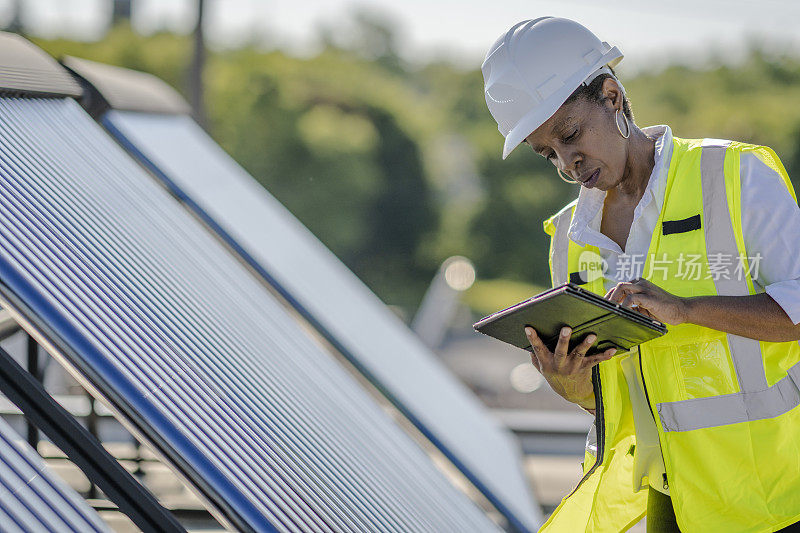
[[348, 141]]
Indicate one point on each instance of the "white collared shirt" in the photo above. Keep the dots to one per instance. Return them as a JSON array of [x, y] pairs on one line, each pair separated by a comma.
[[770, 225]]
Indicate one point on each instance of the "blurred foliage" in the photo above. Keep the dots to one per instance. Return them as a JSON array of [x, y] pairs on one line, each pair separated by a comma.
[[396, 168]]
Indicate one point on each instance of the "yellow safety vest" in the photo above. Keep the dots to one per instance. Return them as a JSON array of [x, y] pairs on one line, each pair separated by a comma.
[[725, 406]]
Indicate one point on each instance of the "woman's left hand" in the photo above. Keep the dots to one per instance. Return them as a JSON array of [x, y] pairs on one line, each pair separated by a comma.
[[650, 300]]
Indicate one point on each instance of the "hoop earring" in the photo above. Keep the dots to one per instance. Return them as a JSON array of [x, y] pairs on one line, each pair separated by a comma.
[[627, 124], [560, 175]]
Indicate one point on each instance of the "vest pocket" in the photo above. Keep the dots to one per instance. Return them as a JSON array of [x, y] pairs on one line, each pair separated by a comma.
[[696, 364], [706, 367]]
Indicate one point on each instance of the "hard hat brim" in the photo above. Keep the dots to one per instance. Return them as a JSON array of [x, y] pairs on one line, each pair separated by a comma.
[[547, 108]]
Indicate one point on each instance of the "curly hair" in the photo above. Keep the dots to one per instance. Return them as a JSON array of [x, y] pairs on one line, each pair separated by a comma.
[[594, 93]]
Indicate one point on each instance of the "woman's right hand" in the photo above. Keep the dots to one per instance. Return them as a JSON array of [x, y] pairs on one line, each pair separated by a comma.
[[569, 374]]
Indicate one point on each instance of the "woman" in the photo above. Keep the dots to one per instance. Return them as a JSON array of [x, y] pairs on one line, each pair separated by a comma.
[[700, 428]]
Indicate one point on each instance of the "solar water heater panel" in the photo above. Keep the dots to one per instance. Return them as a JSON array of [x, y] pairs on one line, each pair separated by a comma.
[[153, 314], [32, 498], [277, 245]]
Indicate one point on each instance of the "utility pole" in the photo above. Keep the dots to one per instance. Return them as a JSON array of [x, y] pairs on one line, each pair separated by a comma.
[[121, 12], [440, 302], [15, 24], [196, 69]]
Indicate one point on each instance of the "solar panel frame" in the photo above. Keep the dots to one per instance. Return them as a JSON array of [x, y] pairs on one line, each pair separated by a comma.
[[62, 261]]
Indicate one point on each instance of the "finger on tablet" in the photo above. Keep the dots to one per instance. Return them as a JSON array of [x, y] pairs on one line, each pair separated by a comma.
[[536, 342], [560, 353], [587, 342], [535, 361], [592, 360], [538, 350]]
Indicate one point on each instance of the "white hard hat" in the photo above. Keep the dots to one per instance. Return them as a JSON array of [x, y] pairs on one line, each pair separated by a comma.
[[533, 68]]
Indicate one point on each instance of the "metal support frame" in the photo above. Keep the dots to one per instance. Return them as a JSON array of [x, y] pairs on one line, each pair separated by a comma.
[[83, 449], [33, 370], [91, 427]]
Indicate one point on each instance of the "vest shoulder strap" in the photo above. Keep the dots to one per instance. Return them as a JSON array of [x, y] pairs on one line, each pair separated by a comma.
[[764, 153], [550, 223], [768, 156]]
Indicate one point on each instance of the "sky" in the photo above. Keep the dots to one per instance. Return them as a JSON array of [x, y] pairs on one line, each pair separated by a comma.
[[648, 33]]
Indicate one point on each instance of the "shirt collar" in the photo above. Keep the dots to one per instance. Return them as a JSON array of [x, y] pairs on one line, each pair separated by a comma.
[[590, 201]]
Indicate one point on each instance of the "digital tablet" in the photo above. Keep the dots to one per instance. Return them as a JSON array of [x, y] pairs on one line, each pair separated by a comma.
[[570, 305]]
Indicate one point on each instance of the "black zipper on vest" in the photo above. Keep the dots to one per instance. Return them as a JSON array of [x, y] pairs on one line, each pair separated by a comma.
[[644, 386], [650, 408], [599, 424]]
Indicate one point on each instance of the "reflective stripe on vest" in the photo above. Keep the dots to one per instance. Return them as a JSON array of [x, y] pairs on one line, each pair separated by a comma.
[[700, 413], [746, 353], [561, 247]]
